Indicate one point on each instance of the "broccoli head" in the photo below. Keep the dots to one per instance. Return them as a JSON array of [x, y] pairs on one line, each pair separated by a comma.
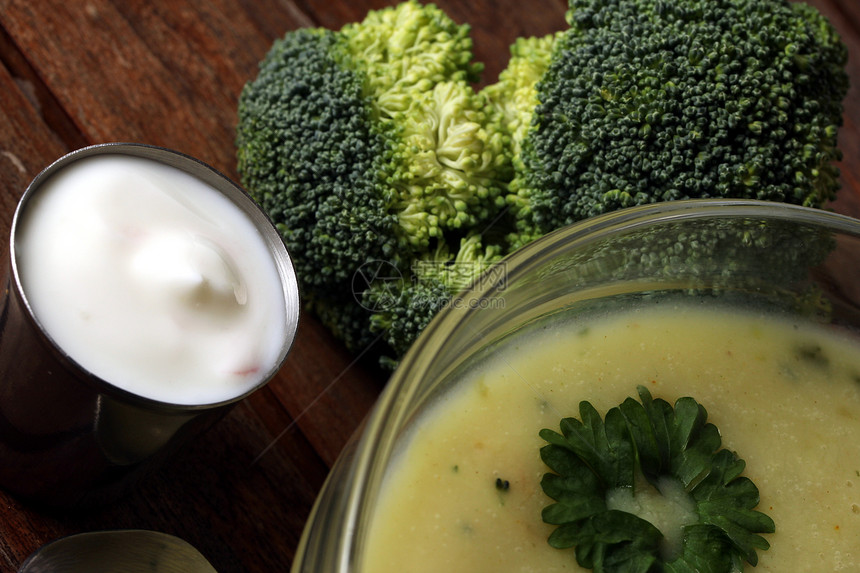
[[395, 183], [370, 144], [651, 100]]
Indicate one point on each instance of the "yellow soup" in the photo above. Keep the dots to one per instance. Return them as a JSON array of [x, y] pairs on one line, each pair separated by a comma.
[[464, 494]]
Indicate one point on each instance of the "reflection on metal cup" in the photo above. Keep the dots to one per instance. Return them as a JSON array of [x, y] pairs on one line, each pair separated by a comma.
[[70, 437]]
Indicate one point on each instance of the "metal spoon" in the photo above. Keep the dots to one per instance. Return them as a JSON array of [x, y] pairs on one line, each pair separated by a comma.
[[125, 551]]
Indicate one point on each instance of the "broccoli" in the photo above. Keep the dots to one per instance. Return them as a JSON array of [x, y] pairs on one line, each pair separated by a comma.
[[395, 181], [369, 144], [515, 97], [435, 277], [651, 100]]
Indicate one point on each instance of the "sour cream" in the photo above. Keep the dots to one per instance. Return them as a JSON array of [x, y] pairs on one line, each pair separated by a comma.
[[151, 279]]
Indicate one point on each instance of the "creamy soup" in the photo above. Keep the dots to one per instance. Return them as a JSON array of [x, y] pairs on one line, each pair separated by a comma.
[[465, 494]]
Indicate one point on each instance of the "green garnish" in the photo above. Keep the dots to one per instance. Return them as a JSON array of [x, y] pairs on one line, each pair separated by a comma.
[[594, 456], [813, 353]]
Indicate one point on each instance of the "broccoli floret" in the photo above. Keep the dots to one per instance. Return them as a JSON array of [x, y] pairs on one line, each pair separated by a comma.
[[652, 100], [404, 311], [515, 94], [515, 97], [369, 144]]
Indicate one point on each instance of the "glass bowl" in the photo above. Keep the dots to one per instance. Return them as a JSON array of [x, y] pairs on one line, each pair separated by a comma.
[[792, 261]]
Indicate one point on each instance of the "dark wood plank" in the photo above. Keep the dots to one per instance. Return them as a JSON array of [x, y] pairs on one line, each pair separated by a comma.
[[208, 51], [27, 144], [327, 390], [111, 83]]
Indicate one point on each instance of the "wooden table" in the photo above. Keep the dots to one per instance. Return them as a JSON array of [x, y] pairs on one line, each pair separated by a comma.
[[168, 73]]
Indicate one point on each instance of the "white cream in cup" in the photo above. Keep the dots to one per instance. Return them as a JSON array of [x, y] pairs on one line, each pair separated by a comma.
[[151, 279], [148, 294]]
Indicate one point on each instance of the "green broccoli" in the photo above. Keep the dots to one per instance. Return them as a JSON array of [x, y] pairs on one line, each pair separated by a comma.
[[369, 144], [515, 97], [395, 183], [651, 100], [439, 274], [434, 279]]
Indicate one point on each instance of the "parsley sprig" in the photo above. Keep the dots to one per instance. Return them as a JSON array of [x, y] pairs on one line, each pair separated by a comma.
[[593, 455]]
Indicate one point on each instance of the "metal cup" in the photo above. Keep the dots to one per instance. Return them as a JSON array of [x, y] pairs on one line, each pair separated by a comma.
[[69, 438]]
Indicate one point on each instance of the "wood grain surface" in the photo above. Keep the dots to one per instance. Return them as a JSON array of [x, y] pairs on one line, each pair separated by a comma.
[[169, 73]]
